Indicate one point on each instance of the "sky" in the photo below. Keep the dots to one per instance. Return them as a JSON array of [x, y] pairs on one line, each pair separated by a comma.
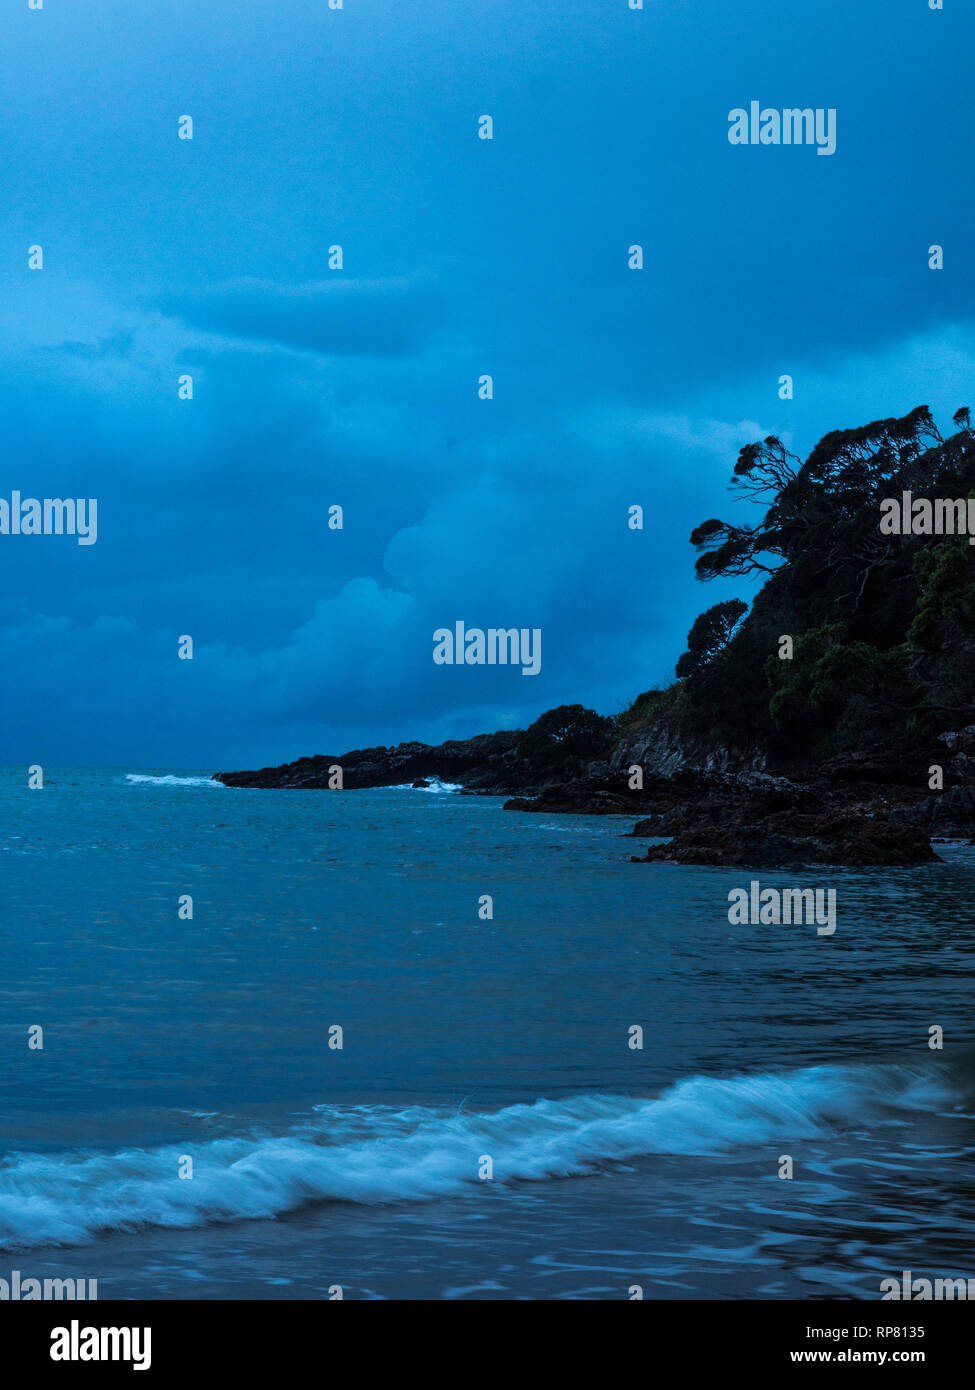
[[358, 387]]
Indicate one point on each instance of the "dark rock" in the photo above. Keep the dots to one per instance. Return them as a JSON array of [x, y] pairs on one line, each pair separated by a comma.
[[873, 768], [578, 798], [487, 761], [858, 810], [795, 837], [649, 827], [950, 813]]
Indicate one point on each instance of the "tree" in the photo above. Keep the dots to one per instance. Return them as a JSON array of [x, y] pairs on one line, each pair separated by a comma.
[[568, 731], [710, 633], [883, 624], [847, 472]]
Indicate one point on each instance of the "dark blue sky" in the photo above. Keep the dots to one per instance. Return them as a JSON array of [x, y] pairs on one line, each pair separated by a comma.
[[461, 257]]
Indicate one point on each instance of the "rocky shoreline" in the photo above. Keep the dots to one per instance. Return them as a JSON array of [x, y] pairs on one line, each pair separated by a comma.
[[486, 763], [802, 728], [720, 809]]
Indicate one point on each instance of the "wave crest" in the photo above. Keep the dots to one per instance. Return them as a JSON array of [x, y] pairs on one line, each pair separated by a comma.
[[380, 1154], [170, 780]]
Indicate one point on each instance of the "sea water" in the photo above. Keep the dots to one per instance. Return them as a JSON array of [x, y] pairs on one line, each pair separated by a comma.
[[489, 1127]]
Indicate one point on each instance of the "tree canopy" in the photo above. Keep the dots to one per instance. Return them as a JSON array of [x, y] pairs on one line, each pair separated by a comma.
[[710, 633], [566, 732], [882, 626]]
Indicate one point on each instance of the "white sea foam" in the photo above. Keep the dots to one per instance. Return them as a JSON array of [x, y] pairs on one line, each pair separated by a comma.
[[171, 780], [435, 786], [380, 1154]]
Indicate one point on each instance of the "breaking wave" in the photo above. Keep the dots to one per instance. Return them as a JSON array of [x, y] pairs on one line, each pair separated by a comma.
[[435, 786], [171, 780], [381, 1154]]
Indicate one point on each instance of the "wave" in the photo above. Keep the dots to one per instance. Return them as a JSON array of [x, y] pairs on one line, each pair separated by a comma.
[[171, 780], [435, 786], [380, 1154]]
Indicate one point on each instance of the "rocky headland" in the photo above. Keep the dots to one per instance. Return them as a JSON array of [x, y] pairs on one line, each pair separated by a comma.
[[831, 722], [856, 811]]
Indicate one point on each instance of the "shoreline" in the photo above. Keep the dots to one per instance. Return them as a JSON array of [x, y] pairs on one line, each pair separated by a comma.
[[858, 811]]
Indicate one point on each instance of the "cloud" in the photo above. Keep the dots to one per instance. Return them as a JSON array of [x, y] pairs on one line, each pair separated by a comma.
[[720, 438], [373, 318], [212, 522], [118, 345]]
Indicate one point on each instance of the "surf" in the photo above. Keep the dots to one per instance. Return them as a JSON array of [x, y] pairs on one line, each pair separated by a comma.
[[169, 780], [381, 1154]]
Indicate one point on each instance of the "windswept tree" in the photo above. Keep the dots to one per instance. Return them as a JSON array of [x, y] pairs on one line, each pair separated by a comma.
[[823, 502], [764, 470], [883, 624], [710, 633]]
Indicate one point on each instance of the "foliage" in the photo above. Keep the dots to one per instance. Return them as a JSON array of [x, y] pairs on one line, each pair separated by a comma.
[[883, 626], [570, 731], [710, 633]]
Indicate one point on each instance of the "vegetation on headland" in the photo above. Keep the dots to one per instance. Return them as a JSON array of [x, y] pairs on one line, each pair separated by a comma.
[[882, 626], [565, 732], [853, 672]]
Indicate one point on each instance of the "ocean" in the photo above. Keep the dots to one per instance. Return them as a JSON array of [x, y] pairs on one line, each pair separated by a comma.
[[488, 1128]]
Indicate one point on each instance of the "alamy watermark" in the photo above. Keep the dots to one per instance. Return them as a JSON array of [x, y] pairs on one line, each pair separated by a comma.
[[21, 1289], [791, 126], [50, 516], [772, 907], [925, 516], [909, 1289], [77, 1343], [497, 646]]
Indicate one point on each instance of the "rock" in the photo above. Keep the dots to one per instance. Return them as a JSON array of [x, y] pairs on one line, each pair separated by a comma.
[[873, 768], [795, 837], [960, 744], [719, 806], [579, 798], [487, 761], [950, 813], [959, 740], [664, 796], [662, 751], [649, 827]]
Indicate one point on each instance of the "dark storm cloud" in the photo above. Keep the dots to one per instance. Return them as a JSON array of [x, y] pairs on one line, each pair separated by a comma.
[[373, 318], [463, 257]]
